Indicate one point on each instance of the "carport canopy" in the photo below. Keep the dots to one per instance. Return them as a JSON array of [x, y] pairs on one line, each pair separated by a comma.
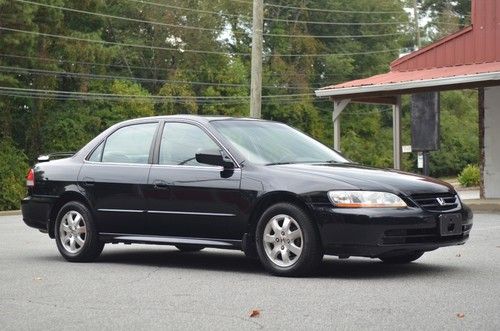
[[467, 59]]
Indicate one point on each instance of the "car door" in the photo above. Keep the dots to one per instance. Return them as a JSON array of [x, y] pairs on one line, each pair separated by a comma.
[[189, 199], [114, 178]]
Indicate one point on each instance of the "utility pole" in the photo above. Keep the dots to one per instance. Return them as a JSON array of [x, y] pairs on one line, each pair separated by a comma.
[[417, 25], [256, 84]]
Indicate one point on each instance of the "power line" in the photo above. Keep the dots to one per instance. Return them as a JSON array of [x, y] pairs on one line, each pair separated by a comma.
[[202, 11], [341, 11], [334, 23], [215, 103], [139, 79], [60, 61], [320, 9], [181, 50], [201, 28], [189, 50], [162, 97], [110, 77], [337, 54], [87, 96], [118, 17], [284, 20], [249, 17], [332, 36]]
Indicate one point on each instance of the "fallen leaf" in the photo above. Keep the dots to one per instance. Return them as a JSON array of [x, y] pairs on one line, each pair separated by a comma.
[[255, 313], [460, 315]]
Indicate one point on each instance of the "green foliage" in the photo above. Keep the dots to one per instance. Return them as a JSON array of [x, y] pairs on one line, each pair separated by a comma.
[[459, 134], [13, 167], [200, 83], [470, 176], [459, 143], [115, 111], [363, 130]]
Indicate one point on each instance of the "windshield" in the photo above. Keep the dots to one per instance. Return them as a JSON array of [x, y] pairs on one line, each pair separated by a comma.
[[269, 143]]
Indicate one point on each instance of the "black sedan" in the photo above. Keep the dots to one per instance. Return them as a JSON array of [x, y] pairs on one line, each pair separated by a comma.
[[253, 185]]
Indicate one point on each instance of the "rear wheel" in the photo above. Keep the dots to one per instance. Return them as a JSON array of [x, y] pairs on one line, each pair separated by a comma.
[[189, 248], [402, 258], [287, 241], [75, 233]]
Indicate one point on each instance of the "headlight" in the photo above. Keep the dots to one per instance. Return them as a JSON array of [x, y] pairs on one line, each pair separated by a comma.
[[365, 199]]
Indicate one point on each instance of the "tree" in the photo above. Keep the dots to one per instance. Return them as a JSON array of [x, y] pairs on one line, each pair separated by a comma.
[[13, 167]]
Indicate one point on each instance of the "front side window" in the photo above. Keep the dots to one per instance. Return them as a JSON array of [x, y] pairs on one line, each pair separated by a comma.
[[97, 154], [130, 144], [181, 141]]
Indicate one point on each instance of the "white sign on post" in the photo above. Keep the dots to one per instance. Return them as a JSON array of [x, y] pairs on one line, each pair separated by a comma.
[[406, 148], [420, 160]]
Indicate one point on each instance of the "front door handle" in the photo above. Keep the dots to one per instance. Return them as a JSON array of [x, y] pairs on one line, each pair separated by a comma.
[[160, 184], [87, 181]]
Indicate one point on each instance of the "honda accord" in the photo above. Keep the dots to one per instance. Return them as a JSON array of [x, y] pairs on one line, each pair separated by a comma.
[[252, 185]]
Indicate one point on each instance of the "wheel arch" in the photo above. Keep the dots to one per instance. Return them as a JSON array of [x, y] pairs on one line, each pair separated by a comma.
[[60, 202], [273, 198]]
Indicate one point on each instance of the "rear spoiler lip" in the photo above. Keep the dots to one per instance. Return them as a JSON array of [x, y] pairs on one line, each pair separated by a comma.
[[54, 156]]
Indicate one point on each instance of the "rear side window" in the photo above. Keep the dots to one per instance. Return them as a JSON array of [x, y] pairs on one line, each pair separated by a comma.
[[130, 144]]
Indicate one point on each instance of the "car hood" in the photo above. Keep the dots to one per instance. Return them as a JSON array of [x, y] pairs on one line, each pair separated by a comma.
[[366, 178]]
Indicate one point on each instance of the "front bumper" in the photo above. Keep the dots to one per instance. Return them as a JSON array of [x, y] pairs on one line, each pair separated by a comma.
[[373, 232], [36, 212]]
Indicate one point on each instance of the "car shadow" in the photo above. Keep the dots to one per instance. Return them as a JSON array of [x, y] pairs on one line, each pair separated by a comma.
[[358, 268], [219, 260], [234, 261]]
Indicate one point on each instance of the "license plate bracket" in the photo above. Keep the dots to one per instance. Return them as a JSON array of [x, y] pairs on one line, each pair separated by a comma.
[[450, 224]]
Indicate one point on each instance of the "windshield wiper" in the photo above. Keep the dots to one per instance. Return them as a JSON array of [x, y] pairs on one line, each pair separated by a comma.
[[279, 163]]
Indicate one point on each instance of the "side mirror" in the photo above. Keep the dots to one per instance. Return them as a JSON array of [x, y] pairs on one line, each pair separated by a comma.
[[213, 157]]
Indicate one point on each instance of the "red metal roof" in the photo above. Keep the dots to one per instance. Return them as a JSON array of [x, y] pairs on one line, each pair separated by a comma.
[[471, 51], [434, 73]]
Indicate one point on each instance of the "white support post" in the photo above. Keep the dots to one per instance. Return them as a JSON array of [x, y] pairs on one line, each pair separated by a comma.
[[338, 107], [396, 133], [491, 173]]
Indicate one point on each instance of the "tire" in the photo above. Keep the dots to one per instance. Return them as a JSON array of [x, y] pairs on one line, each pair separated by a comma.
[[80, 243], [286, 252], [402, 258], [189, 248]]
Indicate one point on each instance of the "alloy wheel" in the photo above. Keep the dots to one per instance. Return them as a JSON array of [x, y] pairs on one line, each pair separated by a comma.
[[283, 240], [72, 231]]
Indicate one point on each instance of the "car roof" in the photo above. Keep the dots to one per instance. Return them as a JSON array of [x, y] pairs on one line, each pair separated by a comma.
[[197, 118]]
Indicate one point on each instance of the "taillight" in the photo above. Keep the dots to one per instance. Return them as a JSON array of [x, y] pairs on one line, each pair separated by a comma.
[[30, 178]]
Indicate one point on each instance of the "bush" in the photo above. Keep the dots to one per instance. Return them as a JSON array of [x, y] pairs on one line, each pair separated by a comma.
[[470, 176], [13, 169]]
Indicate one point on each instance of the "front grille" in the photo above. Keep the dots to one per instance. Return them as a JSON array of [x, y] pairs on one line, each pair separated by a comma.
[[436, 202]]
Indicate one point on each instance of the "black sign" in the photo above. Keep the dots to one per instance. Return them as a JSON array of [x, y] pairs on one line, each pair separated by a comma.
[[425, 121]]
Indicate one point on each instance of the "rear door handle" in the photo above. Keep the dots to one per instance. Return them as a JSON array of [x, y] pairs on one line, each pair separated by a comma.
[[87, 181], [160, 185]]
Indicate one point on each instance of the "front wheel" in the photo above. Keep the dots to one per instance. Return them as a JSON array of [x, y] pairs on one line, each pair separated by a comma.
[[75, 233], [402, 258], [287, 241]]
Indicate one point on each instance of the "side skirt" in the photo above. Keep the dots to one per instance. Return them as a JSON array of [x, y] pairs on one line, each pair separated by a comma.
[[160, 240]]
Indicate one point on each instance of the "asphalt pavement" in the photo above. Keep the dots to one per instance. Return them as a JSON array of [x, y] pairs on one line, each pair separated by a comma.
[[156, 287]]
